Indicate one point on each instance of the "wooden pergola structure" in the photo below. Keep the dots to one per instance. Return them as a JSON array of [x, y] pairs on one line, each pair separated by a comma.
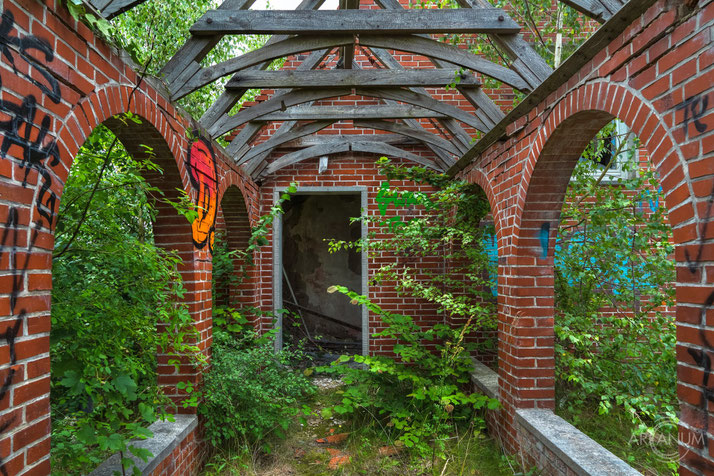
[[401, 92]]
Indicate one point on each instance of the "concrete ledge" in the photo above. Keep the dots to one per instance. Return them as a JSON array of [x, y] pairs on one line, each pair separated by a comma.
[[485, 379], [582, 454], [167, 436]]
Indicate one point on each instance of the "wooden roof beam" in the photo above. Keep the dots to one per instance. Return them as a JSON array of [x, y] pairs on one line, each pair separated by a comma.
[[330, 22], [364, 78], [347, 145], [350, 113], [600, 10]]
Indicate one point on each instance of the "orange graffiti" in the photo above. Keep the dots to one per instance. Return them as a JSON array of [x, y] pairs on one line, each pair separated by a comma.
[[202, 171]]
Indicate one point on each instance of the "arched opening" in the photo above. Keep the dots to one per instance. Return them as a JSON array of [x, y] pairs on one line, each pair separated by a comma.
[[233, 266], [120, 266], [614, 322]]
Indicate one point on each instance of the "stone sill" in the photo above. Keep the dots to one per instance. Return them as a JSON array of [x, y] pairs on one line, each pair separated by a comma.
[[167, 436], [580, 453]]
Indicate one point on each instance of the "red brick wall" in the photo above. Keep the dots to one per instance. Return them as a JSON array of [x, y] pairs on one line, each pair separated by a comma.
[[185, 460], [76, 83], [648, 76]]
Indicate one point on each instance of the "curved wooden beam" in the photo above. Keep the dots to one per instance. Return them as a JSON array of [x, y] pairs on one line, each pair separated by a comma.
[[277, 140], [447, 53], [346, 146], [196, 79], [421, 135], [283, 101], [279, 49]]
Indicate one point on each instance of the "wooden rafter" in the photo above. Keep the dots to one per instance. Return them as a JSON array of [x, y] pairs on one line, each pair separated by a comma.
[[600, 10], [420, 135], [111, 8], [277, 106], [350, 113], [228, 99], [188, 57], [329, 22], [372, 78], [279, 139], [183, 85]]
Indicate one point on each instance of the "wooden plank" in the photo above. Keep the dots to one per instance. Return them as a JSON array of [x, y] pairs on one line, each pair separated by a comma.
[[309, 141], [240, 142], [341, 147], [280, 102], [347, 53], [326, 22], [278, 140], [117, 7], [445, 52], [486, 110], [195, 49], [363, 78], [347, 113], [280, 49], [421, 135], [600, 11]]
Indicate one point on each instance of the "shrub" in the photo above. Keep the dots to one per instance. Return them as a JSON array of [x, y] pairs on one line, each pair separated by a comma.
[[251, 391], [419, 396]]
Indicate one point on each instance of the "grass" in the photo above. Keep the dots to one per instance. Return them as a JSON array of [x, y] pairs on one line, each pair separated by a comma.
[[615, 431], [469, 453]]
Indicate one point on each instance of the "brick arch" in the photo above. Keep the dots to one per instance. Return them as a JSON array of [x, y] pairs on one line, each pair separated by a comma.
[[613, 101], [237, 226], [103, 105], [478, 177], [169, 151]]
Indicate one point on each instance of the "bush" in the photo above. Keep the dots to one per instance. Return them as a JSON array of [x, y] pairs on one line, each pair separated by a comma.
[[419, 396], [251, 392]]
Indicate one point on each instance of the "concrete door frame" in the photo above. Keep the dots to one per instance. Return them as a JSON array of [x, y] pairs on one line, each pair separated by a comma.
[[278, 257]]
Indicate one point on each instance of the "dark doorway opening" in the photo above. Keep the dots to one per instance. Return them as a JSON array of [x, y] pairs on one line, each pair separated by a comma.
[[328, 323]]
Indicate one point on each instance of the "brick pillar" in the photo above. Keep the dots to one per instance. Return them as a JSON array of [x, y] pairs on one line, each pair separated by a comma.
[[526, 276]]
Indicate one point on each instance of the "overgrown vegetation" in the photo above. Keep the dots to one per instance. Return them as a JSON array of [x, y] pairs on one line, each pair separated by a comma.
[[111, 287], [250, 394]]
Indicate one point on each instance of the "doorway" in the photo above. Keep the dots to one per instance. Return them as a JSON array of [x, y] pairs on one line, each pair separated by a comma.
[[304, 268]]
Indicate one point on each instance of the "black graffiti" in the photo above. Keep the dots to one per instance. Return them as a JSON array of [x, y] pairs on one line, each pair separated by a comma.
[[10, 44], [23, 117], [701, 356], [28, 130], [694, 109], [10, 245]]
